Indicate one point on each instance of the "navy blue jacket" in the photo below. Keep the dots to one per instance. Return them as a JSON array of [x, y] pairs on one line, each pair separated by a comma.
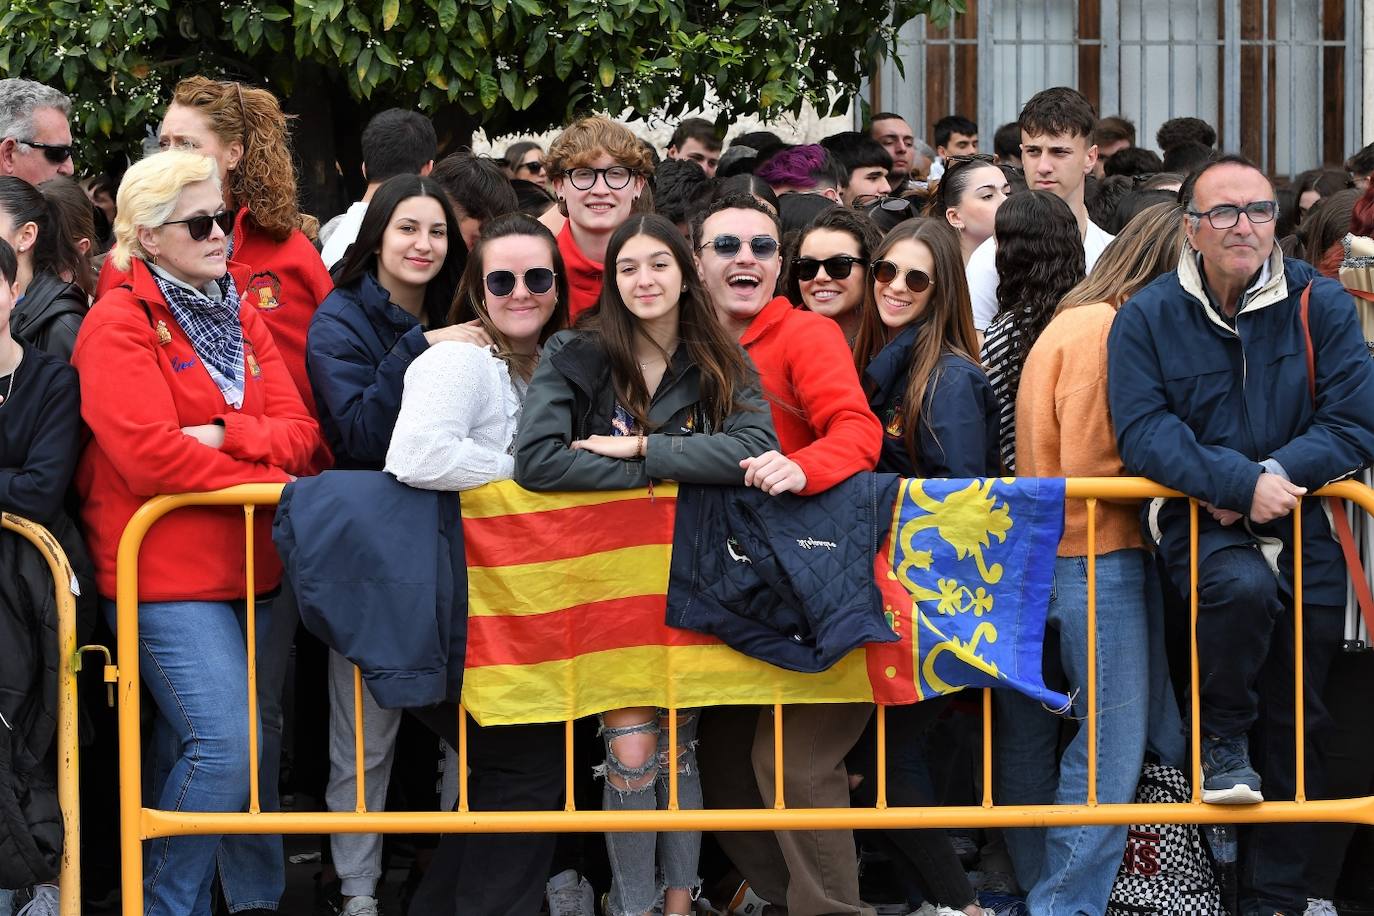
[[785, 579], [1198, 405], [381, 578], [958, 433], [357, 351]]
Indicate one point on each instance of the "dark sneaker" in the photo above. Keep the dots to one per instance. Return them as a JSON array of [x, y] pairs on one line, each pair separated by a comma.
[[1228, 778]]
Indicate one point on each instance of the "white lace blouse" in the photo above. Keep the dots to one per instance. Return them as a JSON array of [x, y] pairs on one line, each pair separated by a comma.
[[459, 412]]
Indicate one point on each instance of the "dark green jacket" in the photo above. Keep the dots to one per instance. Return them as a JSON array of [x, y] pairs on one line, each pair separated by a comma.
[[571, 397]]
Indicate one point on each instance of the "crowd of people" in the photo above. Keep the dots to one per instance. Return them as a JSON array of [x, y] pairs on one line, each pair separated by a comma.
[[598, 316]]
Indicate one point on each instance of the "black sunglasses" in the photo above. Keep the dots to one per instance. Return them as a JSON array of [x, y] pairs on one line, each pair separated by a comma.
[[891, 204], [198, 227], [728, 246], [538, 280], [918, 281], [836, 267], [534, 168], [55, 153]]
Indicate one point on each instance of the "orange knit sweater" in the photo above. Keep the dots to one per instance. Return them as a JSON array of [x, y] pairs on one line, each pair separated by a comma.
[[1064, 429]]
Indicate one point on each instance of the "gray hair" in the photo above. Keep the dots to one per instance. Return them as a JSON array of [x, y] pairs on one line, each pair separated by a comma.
[[19, 99], [922, 148]]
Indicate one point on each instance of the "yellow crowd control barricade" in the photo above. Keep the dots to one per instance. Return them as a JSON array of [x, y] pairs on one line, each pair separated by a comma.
[[140, 823], [68, 751]]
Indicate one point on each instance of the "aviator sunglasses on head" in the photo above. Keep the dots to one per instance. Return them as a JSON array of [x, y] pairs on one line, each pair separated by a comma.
[[836, 267], [198, 227], [538, 280]]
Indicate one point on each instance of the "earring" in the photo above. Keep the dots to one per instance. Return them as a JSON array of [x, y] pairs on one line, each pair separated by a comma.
[[153, 258]]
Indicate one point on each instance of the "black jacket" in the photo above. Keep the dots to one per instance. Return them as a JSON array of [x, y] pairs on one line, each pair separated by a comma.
[[957, 435], [381, 578], [571, 397], [784, 579], [30, 659], [50, 314], [357, 351]]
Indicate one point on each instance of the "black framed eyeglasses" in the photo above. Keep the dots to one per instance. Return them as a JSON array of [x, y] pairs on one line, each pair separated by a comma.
[[538, 280], [837, 267], [198, 227], [763, 247], [1227, 215], [616, 177], [56, 153], [918, 281]]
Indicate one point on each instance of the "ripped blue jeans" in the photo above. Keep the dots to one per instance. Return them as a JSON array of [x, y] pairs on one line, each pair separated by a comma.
[[637, 858]]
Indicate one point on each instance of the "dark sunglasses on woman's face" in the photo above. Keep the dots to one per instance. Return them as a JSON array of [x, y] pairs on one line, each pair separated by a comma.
[[538, 280], [728, 246], [56, 153], [198, 227], [836, 267], [535, 168], [918, 281]]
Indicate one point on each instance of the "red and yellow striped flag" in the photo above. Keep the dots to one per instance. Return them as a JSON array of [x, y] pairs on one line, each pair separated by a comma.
[[566, 600]]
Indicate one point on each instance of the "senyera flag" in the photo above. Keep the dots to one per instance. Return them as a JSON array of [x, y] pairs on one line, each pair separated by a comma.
[[566, 602]]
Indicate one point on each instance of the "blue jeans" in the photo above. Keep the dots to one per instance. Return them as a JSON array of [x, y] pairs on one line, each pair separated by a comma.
[[194, 663], [6, 902], [1070, 870]]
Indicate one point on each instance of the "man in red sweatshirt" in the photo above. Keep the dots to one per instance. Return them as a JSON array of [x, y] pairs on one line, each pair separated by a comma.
[[826, 433]]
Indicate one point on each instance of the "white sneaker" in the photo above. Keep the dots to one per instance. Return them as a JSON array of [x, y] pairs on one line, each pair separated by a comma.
[[1318, 907], [45, 902], [360, 906], [570, 894]]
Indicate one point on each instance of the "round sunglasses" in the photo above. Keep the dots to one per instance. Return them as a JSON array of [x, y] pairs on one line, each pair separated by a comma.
[[918, 281], [538, 280], [198, 227], [763, 247], [837, 267]]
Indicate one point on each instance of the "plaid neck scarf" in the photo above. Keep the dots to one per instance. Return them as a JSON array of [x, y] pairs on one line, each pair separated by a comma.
[[214, 329]]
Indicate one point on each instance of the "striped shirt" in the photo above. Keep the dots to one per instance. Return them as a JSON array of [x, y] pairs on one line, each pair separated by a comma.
[[999, 348]]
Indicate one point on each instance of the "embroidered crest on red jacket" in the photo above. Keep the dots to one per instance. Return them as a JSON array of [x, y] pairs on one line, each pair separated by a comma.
[[264, 291]]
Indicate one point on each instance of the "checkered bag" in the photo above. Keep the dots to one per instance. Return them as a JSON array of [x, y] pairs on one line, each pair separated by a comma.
[[1165, 870]]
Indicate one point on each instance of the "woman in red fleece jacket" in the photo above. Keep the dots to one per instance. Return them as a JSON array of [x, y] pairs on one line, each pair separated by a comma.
[[183, 390], [598, 169], [275, 267], [826, 434]]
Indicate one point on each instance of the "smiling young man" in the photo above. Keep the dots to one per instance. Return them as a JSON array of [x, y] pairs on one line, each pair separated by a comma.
[[826, 433], [1211, 393], [1057, 153]]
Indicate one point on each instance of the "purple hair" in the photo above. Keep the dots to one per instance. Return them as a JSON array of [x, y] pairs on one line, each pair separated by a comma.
[[807, 166]]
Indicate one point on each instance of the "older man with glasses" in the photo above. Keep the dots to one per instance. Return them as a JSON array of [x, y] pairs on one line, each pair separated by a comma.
[[35, 140], [1242, 380]]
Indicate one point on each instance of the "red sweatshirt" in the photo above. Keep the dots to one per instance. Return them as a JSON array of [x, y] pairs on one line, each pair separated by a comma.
[[819, 409], [141, 382], [584, 274], [283, 281]]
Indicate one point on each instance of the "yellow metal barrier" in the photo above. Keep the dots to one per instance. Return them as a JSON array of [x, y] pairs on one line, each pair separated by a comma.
[[139, 823], [68, 767]]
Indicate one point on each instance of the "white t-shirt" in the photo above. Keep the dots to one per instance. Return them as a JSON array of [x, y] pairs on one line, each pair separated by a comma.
[[982, 273], [345, 233]]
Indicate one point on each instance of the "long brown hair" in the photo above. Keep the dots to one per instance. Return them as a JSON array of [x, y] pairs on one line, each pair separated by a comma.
[[1148, 246], [265, 179], [717, 357], [947, 325], [471, 302]]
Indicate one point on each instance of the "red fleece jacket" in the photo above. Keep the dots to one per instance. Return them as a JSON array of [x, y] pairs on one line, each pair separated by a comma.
[[141, 382], [819, 409], [584, 275], [283, 281]]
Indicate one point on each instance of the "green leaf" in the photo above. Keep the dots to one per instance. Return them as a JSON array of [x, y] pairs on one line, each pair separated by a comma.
[[359, 21], [391, 9], [448, 15], [509, 86], [364, 62], [747, 26], [462, 64], [606, 70], [275, 14], [352, 45], [531, 7], [539, 46], [606, 20], [477, 31], [488, 91], [386, 55], [100, 30]]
